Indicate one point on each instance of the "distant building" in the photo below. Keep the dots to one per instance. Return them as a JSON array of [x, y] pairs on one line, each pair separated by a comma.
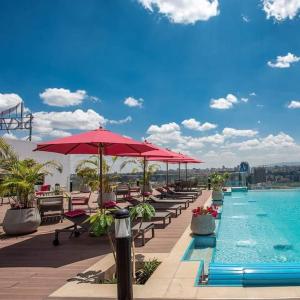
[[259, 175], [245, 167]]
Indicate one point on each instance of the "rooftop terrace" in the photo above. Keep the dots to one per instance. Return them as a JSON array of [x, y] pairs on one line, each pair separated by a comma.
[[32, 268]]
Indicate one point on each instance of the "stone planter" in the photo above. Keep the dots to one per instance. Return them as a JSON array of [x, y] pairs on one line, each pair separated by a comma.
[[203, 224], [21, 221], [217, 195]]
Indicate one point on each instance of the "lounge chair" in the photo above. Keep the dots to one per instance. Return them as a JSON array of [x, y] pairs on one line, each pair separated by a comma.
[[122, 190], [80, 225], [165, 194], [51, 203], [184, 202], [44, 188], [172, 192], [158, 216], [81, 201], [78, 217], [141, 230], [176, 208]]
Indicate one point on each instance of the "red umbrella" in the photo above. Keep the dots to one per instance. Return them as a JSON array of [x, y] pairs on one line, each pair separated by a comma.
[[99, 141]]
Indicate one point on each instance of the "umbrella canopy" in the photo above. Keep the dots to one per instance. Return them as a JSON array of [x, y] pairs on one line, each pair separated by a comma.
[[99, 141], [90, 142]]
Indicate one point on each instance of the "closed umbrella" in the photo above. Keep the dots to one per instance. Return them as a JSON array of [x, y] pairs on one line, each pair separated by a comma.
[[101, 142]]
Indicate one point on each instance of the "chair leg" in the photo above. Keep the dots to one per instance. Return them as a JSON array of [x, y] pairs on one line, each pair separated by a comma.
[[143, 238], [153, 232], [164, 222]]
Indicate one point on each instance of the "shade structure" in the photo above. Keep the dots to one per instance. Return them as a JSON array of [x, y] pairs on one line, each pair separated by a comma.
[[101, 142], [151, 155]]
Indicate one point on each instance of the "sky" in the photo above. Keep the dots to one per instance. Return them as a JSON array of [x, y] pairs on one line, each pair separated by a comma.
[[215, 79]]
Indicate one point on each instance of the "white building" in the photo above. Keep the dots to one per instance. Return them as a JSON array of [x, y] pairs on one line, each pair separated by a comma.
[[25, 150]]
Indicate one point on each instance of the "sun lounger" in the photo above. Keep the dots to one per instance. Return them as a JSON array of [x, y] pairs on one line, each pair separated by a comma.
[[78, 217], [172, 192], [80, 225], [159, 215], [81, 201], [184, 202], [164, 194], [51, 203], [141, 230]]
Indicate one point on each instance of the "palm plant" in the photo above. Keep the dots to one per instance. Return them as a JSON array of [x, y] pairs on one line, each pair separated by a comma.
[[141, 164], [20, 176], [92, 163]]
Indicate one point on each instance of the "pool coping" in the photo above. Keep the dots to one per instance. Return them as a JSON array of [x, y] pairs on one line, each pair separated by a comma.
[[173, 279]]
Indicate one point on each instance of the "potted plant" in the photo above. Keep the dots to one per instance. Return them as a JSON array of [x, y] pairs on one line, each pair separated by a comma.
[[203, 220], [20, 177], [90, 167], [217, 183]]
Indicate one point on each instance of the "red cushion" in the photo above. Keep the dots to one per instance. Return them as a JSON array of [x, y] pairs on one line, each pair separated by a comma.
[[75, 213]]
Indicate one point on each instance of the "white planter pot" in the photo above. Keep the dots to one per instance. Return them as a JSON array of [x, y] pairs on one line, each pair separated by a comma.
[[217, 195], [203, 224], [21, 221], [107, 197]]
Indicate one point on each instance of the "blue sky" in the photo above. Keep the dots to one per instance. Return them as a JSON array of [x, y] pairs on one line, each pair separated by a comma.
[[215, 79]]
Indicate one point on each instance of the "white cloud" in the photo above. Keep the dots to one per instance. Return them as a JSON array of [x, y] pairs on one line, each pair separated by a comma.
[[275, 142], [10, 136], [9, 100], [196, 125], [119, 122], [252, 94], [132, 102], [224, 103], [281, 9], [184, 11], [231, 132], [245, 100], [63, 97], [164, 128], [284, 61], [294, 104], [45, 122]]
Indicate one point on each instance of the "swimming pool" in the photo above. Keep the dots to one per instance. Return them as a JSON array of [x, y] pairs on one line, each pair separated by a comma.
[[257, 241], [259, 227]]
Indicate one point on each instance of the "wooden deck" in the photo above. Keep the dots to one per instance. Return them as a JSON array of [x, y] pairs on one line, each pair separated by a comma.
[[32, 268]]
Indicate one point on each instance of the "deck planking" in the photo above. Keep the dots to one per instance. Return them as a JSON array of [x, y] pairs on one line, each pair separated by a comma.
[[32, 268]]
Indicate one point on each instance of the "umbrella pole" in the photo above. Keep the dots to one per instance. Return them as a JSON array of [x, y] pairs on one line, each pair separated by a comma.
[[144, 178], [100, 176], [179, 171], [186, 175], [167, 177]]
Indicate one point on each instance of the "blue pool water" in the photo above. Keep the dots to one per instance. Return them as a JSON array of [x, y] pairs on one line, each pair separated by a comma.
[[259, 227]]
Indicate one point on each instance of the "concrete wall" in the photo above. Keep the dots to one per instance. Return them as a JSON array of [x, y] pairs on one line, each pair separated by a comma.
[[24, 150]]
